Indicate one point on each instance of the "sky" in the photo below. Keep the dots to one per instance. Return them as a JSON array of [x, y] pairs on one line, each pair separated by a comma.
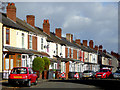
[[97, 21]]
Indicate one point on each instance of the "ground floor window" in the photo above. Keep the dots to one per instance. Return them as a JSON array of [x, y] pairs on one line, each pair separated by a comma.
[[11, 64], [6, 63]]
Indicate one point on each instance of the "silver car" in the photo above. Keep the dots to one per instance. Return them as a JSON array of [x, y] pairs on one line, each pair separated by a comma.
[[88, 74], [117, 74]]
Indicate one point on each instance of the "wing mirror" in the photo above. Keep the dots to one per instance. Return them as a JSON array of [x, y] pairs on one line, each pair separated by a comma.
[[35, 72]]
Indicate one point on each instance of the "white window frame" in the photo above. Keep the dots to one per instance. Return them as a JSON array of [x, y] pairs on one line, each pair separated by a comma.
[[42, 41], [23, 40], [71, 53], [30, 41]]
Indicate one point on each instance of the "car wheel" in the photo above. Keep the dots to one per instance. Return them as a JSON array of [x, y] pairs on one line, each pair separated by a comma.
[[29, 83], [36, 81]]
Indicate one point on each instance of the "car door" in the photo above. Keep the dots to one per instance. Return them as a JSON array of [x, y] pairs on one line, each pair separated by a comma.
[[33, 75], [30, 74]]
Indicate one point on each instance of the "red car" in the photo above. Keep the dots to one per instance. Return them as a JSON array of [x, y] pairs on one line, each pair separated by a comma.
[[22, 75], [103, 73]]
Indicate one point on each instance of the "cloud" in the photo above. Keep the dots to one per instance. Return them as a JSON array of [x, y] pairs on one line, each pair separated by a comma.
[[86, 20]]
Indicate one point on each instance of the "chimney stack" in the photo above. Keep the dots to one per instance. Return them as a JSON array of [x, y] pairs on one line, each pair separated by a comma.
[[46, 27], [96, 47], [104, 51], [100, 48], [78, 41], [85, 43], [11, 11], [91, 44], [58, 32], [31, 20], [69, 37]]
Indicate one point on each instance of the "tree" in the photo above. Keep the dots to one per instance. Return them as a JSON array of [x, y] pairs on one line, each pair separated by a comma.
[[47, 63], [38, 64]]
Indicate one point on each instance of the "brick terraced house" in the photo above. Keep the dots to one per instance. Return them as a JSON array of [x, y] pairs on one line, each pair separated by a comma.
[[22, 41]]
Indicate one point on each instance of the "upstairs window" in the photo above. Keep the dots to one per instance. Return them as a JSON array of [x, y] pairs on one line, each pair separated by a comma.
[[71, 53], [7, 36], [30, 41], [41, 43], [56, 49], [22, 40]]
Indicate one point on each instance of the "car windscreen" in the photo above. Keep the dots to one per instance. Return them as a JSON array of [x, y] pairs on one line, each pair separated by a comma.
[[19, 71], [87, 72], [118, 71], [103, 70]]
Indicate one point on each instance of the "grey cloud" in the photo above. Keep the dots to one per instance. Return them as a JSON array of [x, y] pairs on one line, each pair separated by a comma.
[[97, 21]]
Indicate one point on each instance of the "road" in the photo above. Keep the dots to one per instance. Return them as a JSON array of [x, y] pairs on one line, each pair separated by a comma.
[[91, 84]]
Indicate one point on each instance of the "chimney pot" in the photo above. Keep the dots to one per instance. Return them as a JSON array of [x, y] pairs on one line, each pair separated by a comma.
[[12, 3], [8, 4]]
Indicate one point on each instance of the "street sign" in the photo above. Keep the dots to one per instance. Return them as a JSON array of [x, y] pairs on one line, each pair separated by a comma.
[[76, 75], [62, 75]]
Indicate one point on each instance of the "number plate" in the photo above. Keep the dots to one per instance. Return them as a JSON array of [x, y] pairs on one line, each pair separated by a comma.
[[98, 75], [17, 76]]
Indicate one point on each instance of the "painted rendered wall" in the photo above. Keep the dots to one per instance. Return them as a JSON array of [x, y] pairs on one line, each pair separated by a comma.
[[0, 47], [19, 39]]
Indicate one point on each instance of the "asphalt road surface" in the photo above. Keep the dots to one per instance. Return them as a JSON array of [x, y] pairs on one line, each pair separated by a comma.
[[91, 84]]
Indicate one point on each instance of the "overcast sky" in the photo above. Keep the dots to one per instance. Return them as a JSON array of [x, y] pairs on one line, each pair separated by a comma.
[[85, 20]]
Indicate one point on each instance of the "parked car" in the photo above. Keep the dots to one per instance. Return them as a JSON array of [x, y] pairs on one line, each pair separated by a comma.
[[22, 75], [103, 73], [88, 74], [116, 74]]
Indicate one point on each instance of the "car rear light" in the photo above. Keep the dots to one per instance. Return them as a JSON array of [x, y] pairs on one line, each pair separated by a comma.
[[26, 77]]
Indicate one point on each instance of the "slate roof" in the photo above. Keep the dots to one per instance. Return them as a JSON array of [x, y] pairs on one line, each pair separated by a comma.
[[52, 37], [11, 24], [24, 51], [69, 43]]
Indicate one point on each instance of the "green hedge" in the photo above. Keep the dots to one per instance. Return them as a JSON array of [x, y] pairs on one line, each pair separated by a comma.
[[47, 63], [38, 64]]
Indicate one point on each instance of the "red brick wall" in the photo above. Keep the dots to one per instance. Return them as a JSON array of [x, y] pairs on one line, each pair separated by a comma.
[[31, 20], [58, 32], [83, 56], [67, 69], [80, 55], [46, 27], [34, 43], [11, 11], [74, 54], [66, 51]]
